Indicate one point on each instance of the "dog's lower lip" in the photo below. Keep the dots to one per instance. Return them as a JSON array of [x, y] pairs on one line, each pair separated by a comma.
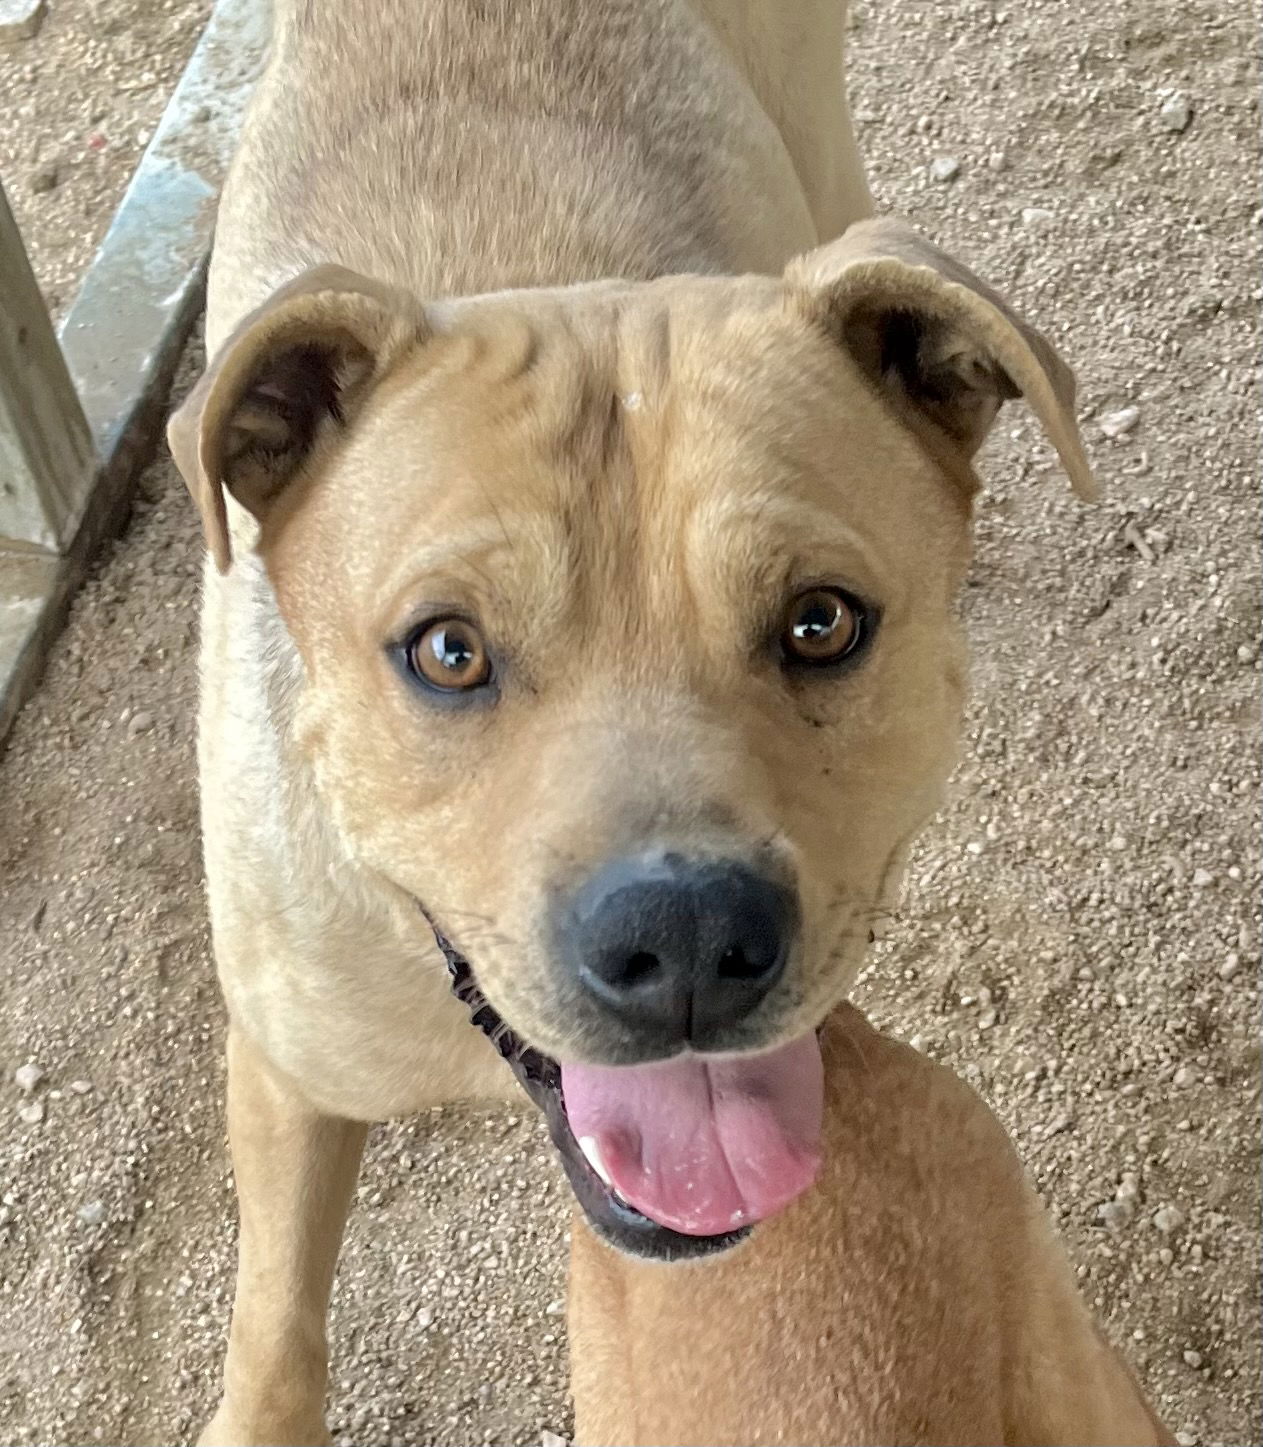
[[540, 1076]]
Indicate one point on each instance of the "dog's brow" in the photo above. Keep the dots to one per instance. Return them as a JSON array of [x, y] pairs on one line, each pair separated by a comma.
[[466, 551], [795, 519]]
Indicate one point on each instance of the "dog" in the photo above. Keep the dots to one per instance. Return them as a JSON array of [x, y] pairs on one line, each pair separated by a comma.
[[586, 479], [914, 1295]]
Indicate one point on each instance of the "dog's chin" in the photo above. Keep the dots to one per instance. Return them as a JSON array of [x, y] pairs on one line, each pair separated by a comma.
[[612, 1218]]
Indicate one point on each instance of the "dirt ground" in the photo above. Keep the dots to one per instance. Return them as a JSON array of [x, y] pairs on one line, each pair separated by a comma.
[[1081, 932]]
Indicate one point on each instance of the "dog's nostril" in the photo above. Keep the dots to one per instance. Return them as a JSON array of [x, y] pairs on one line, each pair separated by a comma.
[[735, 964], [640, 966]]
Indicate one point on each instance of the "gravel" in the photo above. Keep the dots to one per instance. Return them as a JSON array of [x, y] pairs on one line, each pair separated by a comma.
[[1175, 113], [1116, 688]]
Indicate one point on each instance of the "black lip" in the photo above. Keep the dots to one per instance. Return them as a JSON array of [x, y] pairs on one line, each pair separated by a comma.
[[540, 1076]]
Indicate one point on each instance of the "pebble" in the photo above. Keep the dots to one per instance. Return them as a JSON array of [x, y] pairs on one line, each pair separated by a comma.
[[1175, 112], [32, 1114], [27, 1077], [1118, 424], [1037, 217], [1114, 1214], [44, 180], [140, 722], [1230, 967], [81, 1087], [1202, 878], [92, 1213], [1186, 1439], [20, 19], [551, 1439], [1193, 1358], [944, 168], [1168, 1219], [1184, 1077]]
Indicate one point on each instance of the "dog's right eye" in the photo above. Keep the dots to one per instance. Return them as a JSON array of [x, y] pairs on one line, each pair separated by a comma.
[[449, 654]]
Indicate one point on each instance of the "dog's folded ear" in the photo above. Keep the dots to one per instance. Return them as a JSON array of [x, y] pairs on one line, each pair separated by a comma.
[[939, 344], [294, 371]]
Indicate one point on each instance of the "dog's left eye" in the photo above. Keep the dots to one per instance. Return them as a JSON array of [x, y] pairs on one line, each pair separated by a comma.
[[822, 626], [449, 654]]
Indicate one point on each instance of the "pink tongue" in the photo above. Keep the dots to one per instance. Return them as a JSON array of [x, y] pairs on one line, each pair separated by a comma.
[[703, 1145]]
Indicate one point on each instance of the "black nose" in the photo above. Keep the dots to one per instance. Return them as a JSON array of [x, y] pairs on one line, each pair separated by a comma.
[[679, 949]]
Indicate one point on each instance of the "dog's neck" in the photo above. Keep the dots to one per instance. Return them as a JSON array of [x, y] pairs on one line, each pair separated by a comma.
[[541, 158]]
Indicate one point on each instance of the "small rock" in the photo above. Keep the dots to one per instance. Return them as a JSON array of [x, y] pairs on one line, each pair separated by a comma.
[[1230, 967], [1166, 1256], [425, 1318], [997, 161], [20, 19], [944, 169], [1202, 878], [140, 722], [1136, 539], [1175, 112], [1168, 1219], [1186, 1439], [1118, 424], [1193, 1358], [1184, 1077], [81, 1087], [1114, 1214], [32, 1114], [1118, 844], [44, 180], [551, 1439], [1036, 218], [92, 1213], [27, 1077]]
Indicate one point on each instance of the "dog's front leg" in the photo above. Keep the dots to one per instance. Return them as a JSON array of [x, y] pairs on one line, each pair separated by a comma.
[[295, 1170]]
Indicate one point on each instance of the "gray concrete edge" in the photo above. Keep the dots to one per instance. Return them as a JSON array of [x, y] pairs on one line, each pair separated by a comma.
[[124, 334]]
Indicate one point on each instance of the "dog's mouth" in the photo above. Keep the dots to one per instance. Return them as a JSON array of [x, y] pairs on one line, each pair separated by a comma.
[[768, 1170]]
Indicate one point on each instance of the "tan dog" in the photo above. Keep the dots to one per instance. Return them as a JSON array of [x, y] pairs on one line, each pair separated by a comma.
[[915, 1295], [581, 605]]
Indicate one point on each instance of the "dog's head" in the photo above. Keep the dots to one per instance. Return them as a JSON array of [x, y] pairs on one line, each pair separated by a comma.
[[627, 628]]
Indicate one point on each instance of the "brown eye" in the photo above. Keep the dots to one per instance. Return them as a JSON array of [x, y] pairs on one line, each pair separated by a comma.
[[822, 625], [450, 654]]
